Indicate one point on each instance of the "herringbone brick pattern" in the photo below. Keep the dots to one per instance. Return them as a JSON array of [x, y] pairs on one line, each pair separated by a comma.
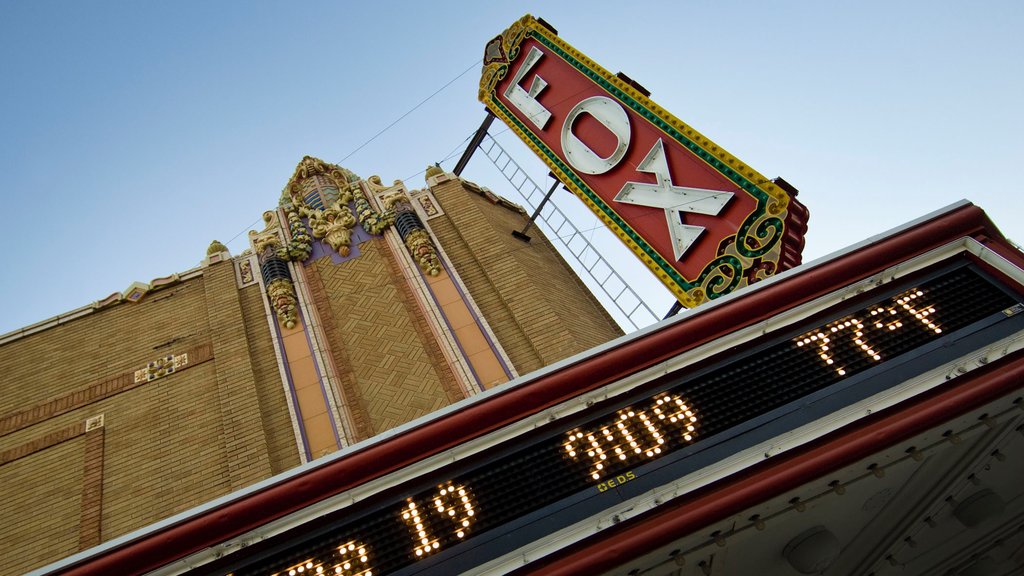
[[395, 377], [444, 372], [355, 405]]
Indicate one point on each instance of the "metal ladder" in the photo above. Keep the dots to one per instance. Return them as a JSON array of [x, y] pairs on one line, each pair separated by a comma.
[[601, 278]]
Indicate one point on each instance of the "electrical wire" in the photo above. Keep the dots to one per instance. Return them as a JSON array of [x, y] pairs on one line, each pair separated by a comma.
[[249, 227], [454, 152], [411, 110], [459, 148], [385, 129]]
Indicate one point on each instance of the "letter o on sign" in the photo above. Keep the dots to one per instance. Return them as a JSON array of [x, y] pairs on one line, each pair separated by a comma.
[[613, 117]]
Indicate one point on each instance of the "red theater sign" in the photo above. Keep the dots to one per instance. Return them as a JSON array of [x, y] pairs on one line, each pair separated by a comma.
[[703, 221]]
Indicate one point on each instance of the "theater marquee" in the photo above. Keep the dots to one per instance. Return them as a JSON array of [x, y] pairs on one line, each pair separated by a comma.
[[703, 221], [476, 508]]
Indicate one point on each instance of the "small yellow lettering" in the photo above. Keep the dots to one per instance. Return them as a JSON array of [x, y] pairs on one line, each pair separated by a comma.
[[617, 481]]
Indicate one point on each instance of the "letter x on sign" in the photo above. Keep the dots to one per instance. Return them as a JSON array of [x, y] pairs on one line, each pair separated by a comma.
[[673, 199]]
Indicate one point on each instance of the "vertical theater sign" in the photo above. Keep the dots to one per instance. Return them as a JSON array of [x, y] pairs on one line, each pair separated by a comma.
[[704, 222]]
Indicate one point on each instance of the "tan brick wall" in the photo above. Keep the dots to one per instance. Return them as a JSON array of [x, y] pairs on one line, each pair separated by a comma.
[[534, 303], [39, 507], [473, 273], [570, 300], [117, 339], [164, 451], [277, 423], [213, 426], [378, 344], [245, 445], [221, 422]]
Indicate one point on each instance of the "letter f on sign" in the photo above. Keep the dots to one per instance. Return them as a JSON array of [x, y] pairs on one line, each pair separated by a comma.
[[673, 199], [527, 101]]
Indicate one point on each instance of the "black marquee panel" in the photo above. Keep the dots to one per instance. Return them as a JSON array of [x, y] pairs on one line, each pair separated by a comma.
[[523, 490]]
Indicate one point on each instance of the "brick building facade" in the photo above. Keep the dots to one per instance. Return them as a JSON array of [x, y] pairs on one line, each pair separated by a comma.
[[358, 308]]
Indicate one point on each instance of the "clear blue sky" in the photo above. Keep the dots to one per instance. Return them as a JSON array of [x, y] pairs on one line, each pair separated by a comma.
[[134, 133]]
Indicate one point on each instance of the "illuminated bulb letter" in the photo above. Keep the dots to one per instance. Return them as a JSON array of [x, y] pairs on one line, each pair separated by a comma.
[[676, 415], [613, 117], [416, 519], [527, 102], [454, 503], [911, 304], [650, 428], [848, 332], [673, 199], [353, 560], [631, 436], [581, 445]]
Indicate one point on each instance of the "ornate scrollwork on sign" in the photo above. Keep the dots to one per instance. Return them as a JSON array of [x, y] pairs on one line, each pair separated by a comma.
[[761, 233], [499, 52]]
